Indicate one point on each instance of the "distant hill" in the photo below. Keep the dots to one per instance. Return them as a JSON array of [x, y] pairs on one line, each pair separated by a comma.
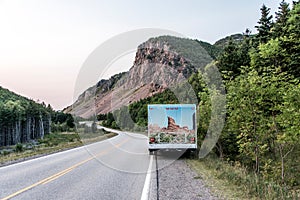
[[222, 43]]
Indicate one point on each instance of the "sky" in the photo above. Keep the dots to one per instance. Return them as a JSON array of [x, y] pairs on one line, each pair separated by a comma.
[[44, 43], [183, 115]]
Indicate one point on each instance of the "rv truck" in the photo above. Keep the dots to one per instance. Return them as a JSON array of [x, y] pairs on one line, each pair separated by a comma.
[[172, 127]]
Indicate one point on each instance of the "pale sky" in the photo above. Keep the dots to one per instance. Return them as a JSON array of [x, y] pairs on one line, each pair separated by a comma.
[[183, 116], [43, 43]]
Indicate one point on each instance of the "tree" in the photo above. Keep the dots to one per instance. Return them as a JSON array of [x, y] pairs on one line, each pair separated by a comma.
[[246, 117], [265, 25], [287, 124], [290, 43], [70, 121], [234, 56], [228, 62], [281, 17]]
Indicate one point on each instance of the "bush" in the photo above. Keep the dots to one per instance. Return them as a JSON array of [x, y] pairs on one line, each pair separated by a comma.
[[19, 148]]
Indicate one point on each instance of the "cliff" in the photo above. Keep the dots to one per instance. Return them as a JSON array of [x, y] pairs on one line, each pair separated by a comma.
[[160, 63]]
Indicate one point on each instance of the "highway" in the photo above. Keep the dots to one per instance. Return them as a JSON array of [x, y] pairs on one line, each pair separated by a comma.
[[115, 168]]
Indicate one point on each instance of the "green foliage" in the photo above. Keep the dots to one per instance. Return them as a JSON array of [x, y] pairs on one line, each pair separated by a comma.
[[62, 122], [233, 57], [263, 109], [192, 50], [281, 20], [55, 139], [222, 43], [251, 101], [213, 50], [265, 25], [19, 147], [22, 120], [239, 180], [110, 121]]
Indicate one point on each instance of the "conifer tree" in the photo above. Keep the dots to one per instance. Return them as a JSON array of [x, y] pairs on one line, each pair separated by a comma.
[[265, 24], [281, 19]]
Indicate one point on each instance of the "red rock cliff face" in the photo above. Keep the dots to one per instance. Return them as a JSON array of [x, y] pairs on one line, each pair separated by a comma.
[[172, 126], [155, 68]]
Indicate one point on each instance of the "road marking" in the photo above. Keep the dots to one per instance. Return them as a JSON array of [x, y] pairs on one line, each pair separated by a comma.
[[146, 189], [59, 174]]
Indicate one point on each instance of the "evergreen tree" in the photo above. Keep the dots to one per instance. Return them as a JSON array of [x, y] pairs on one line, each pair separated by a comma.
[[234, 56], [281, 20], [265, 25], [290, 43], [228, 62]]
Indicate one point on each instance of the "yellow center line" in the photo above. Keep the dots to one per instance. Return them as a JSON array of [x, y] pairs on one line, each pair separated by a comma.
[[59, 174]]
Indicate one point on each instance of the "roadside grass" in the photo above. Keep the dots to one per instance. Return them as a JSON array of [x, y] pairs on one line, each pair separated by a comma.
[[52, 143], [209, 173], [95, 137], [232, 181]]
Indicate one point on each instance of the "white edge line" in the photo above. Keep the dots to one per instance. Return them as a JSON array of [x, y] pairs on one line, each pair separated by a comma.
[[58, 153], [146, 189]]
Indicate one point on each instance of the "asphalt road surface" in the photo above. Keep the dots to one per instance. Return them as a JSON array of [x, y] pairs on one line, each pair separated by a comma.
[[112, 169]]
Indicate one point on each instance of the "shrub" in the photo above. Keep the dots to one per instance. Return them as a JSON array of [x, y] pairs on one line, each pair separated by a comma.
[[19, 148]]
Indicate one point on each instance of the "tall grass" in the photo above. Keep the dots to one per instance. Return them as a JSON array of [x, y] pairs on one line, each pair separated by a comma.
[[250, 184]]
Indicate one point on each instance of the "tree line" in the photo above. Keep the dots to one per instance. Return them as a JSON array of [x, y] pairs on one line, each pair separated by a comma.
[[23, 120]]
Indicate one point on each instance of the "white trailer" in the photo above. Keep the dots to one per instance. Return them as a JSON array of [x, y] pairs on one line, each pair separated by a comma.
[[172, 126]]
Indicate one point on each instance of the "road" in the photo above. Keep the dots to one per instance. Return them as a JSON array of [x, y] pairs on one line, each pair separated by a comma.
[[111, 169]]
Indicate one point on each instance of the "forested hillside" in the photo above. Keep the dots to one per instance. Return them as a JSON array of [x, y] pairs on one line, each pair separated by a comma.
[[23, 120]]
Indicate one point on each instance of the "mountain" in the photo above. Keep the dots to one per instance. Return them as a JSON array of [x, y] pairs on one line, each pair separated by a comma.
[[160, 63]]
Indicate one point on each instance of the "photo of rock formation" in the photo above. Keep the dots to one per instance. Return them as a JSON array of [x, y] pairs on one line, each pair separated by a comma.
[[173, 133], [173, 127]]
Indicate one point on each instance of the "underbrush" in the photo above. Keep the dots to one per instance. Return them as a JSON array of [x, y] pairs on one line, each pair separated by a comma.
[[232, 181]]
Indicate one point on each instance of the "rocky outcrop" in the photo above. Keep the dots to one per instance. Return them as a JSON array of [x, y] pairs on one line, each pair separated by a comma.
[[172, 126], [160, 63]]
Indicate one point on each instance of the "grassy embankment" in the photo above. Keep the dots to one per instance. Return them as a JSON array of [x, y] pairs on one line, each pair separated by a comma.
[[53, 142], [232, 181]]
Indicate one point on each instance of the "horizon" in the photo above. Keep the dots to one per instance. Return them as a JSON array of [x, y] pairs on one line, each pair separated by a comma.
[[44, 44]]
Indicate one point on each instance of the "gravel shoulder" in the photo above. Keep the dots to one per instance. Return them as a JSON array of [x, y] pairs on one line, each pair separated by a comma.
[[177, 181]]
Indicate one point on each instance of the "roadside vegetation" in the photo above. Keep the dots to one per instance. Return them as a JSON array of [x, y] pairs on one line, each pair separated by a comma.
[[30, 129], [230, 180], [53, 142], [23, 120], [258, 150]]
